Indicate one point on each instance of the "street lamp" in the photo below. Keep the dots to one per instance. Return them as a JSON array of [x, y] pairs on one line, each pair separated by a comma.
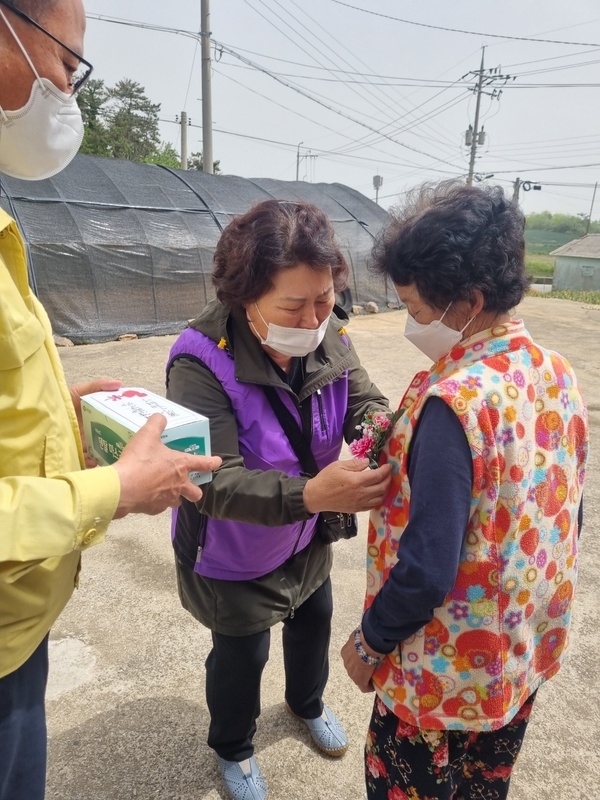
[[377, 182]]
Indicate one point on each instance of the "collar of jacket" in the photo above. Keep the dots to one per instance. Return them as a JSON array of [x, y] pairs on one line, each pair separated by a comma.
[[332, 358]]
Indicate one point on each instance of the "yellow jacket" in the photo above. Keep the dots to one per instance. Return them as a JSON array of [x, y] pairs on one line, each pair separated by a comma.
[[50, 508]]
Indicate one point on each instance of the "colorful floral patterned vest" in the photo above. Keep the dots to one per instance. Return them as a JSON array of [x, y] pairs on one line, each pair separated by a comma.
[[503, 628]]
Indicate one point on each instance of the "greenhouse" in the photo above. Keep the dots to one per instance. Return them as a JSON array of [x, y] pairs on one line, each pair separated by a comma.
[[118, 247]]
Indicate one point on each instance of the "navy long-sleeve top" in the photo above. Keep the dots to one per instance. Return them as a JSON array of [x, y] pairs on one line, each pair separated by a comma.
[[440, 473], [440, 470]]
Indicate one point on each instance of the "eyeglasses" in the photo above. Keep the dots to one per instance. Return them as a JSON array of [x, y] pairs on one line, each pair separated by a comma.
[[84, 68]]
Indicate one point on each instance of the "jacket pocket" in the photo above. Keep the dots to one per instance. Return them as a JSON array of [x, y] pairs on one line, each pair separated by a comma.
[[20, 342]]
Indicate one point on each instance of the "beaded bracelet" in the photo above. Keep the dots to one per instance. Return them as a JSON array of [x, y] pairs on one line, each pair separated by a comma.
[[371, 661]]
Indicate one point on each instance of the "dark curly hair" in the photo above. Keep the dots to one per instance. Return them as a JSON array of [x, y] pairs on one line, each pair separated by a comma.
[[271, 236], [449, 239]]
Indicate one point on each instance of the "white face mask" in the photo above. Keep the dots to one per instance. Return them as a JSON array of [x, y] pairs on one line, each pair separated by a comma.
[[434, 339], [293, 342], [40, 139]]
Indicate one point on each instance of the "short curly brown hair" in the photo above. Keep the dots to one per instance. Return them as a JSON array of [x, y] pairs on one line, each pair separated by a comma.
[[448, 239], [271, 236]]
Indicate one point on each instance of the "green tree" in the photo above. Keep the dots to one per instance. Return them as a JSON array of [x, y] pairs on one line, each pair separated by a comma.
[[540, 221], [195, 162], [165, 156], [92, 101], [121, 122], [574, 224], [132, 122]]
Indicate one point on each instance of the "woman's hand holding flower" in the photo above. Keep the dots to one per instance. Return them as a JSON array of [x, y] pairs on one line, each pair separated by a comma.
[[347, 486]]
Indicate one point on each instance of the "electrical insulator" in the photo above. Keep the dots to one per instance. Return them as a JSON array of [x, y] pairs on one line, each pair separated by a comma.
[[481, 137], [469, 136]]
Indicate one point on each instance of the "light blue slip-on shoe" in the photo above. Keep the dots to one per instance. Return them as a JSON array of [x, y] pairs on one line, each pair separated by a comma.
[[243, 779], [327, 733]]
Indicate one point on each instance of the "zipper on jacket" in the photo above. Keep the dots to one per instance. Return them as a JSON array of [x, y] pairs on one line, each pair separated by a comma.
[[292, 612], [321, 413], [201, 538]]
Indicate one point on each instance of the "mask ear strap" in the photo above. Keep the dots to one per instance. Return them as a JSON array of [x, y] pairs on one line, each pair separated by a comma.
[[260, 315], [469, 321], [446, 311], [22, 49]]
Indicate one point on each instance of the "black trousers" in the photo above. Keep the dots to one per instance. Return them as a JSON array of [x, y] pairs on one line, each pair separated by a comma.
[[235, 665]]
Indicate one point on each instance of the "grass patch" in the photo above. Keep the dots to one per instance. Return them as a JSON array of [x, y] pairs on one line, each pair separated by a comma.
[[541, 265], [589, 298]]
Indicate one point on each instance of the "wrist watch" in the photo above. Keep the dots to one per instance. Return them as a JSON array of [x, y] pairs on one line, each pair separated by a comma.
[[371, 661]]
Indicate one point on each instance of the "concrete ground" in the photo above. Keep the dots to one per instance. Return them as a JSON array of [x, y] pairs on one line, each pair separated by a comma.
[[126, 711]]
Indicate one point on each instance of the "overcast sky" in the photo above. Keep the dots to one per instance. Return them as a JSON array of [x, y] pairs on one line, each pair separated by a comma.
[[373, 94]]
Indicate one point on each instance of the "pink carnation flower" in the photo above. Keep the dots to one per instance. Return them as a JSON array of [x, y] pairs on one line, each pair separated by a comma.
[[361, 447], [382, 421]]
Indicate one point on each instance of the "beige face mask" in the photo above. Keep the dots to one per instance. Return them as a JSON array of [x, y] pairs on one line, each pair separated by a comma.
[[293, 342], [40, 139], [434, 339]]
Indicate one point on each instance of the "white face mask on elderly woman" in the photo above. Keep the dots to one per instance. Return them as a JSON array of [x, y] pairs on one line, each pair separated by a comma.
[[293, 342], [434, 339], [40, 139]]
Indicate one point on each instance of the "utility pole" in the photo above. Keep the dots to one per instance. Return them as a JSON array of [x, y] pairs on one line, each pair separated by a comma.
[[485, 85], [516, 187], [205, 33], [184, 147], [309, 158], [476, 126], [298, 161], [589, 221]]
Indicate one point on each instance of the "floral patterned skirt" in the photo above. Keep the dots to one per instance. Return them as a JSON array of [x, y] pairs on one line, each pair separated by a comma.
[[407, 763]]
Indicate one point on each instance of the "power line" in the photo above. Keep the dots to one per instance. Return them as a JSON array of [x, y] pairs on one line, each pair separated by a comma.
[[425, 85], [430, 82], [460, 30], [359, 60], [294, 39], [544, 169], [306, 94], [332, 154], [549, 58], [298, 35]]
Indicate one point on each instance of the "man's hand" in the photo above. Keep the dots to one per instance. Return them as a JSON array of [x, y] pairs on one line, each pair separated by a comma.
[[153, 477], [357, 670], [347, 486], [77, 392]]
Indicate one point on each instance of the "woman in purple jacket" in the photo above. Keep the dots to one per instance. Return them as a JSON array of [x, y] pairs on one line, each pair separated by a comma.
[[248, 555]]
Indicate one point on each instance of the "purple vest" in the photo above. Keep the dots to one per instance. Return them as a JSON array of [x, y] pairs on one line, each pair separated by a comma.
[[230, 550]]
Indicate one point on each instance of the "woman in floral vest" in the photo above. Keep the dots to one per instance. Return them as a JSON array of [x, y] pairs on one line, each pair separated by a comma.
[[472, 558]]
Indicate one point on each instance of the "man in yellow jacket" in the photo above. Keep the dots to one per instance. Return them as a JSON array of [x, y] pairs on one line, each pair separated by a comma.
[[51, 508]]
